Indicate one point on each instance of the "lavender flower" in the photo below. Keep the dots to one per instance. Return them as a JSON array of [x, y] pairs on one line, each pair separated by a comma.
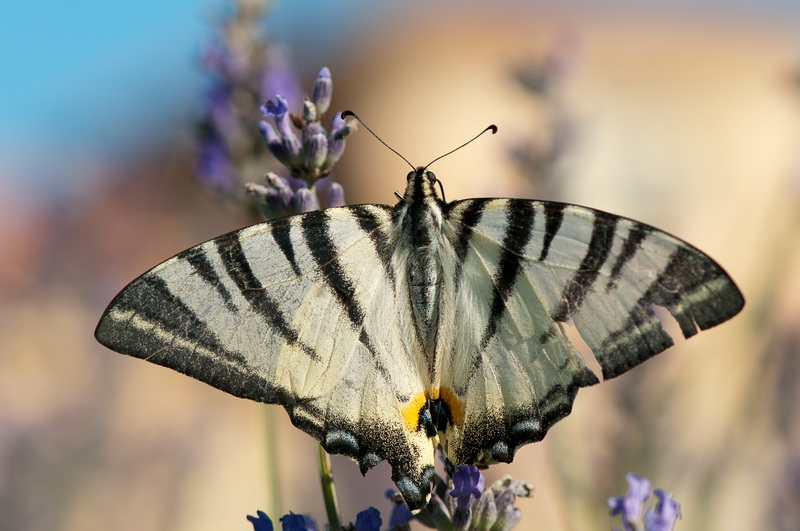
[[312, 155], [462, 503], [301, 144], [664, 516], [630, 507]]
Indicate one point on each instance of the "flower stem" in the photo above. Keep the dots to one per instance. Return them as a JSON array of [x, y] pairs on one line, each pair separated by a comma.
[[328, 489], [273, 483]]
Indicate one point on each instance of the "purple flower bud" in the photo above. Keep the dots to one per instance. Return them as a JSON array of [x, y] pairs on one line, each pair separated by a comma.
[[666, 513], [275, 109], [309, 112], [368, 520], [304, 201], [316, 150], [340, 128], [311, 129], [323, 90], [277, 146], [630, 505], [507, 516], [260, 523], [335, 195]]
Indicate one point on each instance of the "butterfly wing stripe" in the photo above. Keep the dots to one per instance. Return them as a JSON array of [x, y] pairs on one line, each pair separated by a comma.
[[150, 308], [603, 232], [239, 270], [375, 227], [553, 217], [323, 249], [521, 215], [199, 261], [693, 288], [633, 240], [468, 219], [281, 232]]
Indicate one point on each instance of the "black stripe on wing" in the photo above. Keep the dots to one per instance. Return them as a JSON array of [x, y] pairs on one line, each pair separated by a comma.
[[468, 219], [693, 288], [553, 216], [320, 242], [633, 242], [281, 230], [375, 228], [151, 300], [197, 257], [603, 230], [521, 215], [239, 270]]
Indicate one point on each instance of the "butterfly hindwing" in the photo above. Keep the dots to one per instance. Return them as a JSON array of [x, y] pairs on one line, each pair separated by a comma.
[[527, 268]]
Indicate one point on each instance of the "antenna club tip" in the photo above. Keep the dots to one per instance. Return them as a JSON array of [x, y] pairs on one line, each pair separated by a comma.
[[348, 113], [493, 128]]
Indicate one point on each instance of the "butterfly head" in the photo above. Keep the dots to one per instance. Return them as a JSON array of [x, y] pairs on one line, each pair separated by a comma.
[[421, 186]]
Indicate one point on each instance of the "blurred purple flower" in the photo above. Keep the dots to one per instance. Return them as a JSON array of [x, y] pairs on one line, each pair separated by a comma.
[[630, 507], [241, 65], [664, 516], [213, 167], [367, 520]]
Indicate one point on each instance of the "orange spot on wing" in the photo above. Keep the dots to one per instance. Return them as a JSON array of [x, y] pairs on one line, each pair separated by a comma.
[[411, 410], [456, 405]]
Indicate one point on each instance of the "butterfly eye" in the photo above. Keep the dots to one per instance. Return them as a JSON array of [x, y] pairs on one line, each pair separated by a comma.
[[431, 176], [410, 175]]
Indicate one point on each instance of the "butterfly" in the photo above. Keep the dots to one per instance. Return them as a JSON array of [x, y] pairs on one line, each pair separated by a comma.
[[387, 332]]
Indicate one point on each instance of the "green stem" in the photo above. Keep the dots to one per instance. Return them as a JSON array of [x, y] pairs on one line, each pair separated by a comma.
[[328, 489], [273, 485]]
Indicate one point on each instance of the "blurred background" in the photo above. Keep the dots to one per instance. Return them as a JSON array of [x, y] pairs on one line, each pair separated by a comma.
[[684, 115]]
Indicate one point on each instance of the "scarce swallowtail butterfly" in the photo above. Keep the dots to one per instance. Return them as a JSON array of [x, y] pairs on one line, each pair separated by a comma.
[[388, 331]]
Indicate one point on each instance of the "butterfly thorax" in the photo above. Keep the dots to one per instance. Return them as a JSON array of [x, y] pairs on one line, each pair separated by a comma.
[[418, 229]]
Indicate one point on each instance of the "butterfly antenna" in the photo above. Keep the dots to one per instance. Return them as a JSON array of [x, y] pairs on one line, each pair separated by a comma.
[[492, 128], [345, 114]]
